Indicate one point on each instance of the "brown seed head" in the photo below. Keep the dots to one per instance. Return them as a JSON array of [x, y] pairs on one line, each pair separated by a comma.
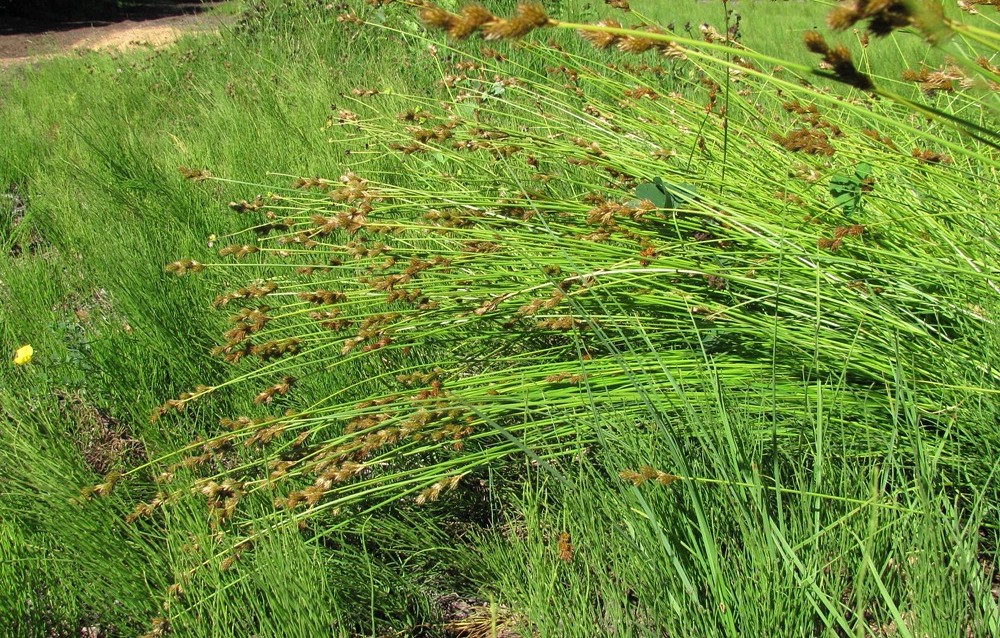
[[437, 18], [842, 17], [840, 59], [471, 18], [632, 44], [838, 56], [633, 477], [815, 42], [182, 266], [565, 548], [601, 40], [528, 18]]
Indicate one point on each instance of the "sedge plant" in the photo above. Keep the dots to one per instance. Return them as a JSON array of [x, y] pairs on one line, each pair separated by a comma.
[[567, 240]]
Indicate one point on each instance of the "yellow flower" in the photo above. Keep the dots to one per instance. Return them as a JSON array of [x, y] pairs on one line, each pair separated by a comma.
[[23, 355]]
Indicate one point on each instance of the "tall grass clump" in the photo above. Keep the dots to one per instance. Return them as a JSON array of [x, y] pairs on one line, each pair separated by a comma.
[[823, 548], [650, 259]]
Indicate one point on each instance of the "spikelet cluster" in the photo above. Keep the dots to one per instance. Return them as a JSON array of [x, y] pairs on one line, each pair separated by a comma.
[[806, 140], [183, 266], [885, 16], [475, 18], [945, 80], [565, 547], [434, 492], [647, 473], [838, 59], [194, 174], [602, 39]]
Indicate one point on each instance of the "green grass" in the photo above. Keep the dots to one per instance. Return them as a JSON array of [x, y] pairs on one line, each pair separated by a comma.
[[729, 560], [828, 414]]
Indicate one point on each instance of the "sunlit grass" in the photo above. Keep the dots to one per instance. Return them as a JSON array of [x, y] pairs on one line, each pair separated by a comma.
[[471, 325]]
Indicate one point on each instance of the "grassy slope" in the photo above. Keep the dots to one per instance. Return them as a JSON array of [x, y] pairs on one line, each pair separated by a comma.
[[94, 145]]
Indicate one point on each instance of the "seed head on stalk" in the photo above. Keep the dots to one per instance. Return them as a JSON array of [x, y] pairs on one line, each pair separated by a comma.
[[839, 59], [475, 17]]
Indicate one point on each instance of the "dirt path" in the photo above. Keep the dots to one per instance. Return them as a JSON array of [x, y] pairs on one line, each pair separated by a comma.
[[20, 48]]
